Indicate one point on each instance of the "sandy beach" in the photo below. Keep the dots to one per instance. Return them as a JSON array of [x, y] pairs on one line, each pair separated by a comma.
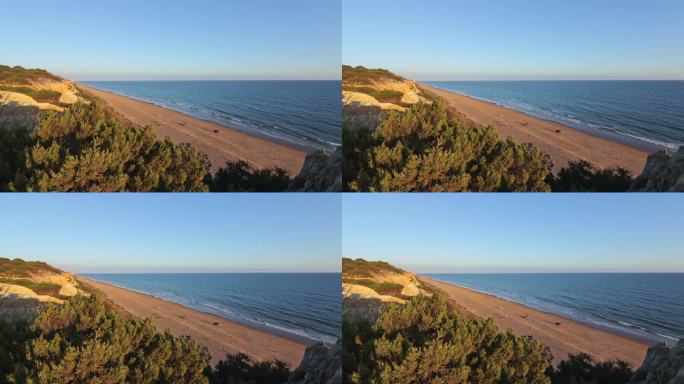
[[563, 336], [221, 336], [562, 143], [219, 142]]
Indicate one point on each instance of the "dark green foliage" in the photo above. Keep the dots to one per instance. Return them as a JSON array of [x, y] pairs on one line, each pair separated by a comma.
[[581, 176], [424, 149], [43, 96], [582, 369], [85, 341], [384, 96], [382, 288], [21, 268], [425, 342], [240, 369], [364, 268], [87, 149], [20, 75], [239, 176], [12, 144], [363, 75]]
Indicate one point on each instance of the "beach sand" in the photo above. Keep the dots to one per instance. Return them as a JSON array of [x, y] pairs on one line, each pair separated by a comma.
[[219, 142], [221, 336], [563, 336], [562, 143]]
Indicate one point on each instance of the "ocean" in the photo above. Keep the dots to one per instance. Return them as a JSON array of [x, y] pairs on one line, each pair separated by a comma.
[[306, 114], [644, 114], [647, 306], [305, 305]]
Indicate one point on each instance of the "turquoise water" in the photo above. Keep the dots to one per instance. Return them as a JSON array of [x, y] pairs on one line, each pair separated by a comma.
[[303, 113], [645, 114], [306, 305], [648, 306]]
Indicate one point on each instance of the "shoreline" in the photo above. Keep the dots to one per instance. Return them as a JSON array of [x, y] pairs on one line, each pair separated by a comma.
[[562, 335], [561, 142], [220, 142], [218, 334]]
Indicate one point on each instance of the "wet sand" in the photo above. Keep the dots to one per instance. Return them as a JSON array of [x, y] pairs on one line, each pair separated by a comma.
[[219, 142], [563, 336], [221, 336], [562, 143]]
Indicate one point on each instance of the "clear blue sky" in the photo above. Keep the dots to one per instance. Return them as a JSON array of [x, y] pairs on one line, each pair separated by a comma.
[[517, 232], [512, 40], [174, 232], [174, 39]]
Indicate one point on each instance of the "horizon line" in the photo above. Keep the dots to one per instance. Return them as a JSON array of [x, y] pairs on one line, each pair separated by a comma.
[[542, 273], [130, 80]]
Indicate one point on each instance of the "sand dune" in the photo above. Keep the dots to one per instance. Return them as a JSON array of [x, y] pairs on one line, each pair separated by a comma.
[[563, 144], [563, 336], [220, 143], [221, 336]]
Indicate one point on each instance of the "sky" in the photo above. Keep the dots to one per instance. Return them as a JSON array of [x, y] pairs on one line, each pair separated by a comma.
[[108, 233], [495, 233], [175, 39], [516, 40]]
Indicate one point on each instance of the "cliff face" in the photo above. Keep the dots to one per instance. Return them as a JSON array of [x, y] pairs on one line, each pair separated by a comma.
[[25, 94], [25, 286], [367, 94], [321, 172], [662, 365], [322, 364], [664, 172], [368, 286]]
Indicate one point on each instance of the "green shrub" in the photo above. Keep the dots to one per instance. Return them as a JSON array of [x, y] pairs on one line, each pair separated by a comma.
[[384, 96], [39, 288], [87, 149], [364, 268], [86, 341], [240, 369], [581, 176], [363, 75], [382, 288], [582, 369], [43, 96], [239, 176], [423, 342], [21, 75], [21, 268], [424, 149]]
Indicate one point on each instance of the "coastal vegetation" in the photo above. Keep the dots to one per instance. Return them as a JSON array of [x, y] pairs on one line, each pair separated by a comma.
[[428, 338], [425, 149], [425, 342], [22, 268], [85, 340], [383, 288], [428, 341], [385, 95], [365, 268], [239, 176], [581, 176], [72, 141], [87, 148], [40, 95], [423, 145], [21, 75], [363, 75]]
